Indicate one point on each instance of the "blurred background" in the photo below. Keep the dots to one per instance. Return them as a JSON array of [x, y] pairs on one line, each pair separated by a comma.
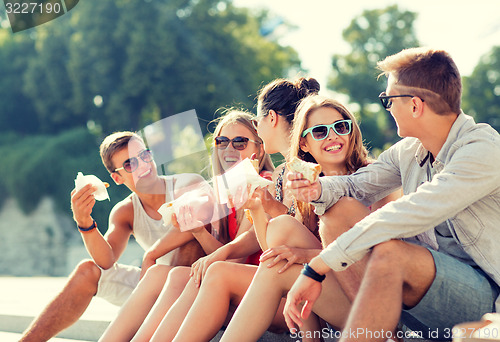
[[117, 65]]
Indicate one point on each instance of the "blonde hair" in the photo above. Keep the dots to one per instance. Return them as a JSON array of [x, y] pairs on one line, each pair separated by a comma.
[[234, 116], [357, 154]]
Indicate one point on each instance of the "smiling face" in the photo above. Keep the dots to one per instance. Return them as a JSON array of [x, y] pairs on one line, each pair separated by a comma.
[[330, 152], [143, 176], [230, 156]]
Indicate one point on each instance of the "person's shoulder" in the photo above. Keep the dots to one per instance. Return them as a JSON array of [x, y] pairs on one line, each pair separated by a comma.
[[405, 148], [481, 137], [124, 205], [123, 210]]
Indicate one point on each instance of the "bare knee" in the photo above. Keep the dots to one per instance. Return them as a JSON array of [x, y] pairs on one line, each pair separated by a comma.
[[279, 229], [157, 272], [86, 276], [219, 274], [388, 257], [340, 218], [178, 278]]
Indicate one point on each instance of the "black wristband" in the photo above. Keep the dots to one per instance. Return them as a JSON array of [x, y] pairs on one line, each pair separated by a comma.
[[84, 230], [309, 272]]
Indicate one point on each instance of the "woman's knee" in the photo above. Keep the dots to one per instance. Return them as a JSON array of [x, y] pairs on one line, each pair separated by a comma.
[[280, 229], [340, 218], [178, 277], [217, 270], [157, 271], [221, 274]]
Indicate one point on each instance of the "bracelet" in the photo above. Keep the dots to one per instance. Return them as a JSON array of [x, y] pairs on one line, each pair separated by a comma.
[[309, 272], [89, 229]]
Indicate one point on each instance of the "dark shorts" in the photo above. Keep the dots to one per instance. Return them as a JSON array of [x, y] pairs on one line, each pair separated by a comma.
[[459, 293]]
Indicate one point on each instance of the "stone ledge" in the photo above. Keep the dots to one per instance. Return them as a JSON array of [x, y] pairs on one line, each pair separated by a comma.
[[81, 330]]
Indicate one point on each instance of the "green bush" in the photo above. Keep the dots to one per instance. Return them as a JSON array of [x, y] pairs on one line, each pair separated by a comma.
[[39, 166]]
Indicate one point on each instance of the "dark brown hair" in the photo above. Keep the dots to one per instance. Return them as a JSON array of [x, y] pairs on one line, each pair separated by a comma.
[[283, 96]]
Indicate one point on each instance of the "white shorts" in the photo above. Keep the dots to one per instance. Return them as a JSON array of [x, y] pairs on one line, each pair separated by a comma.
[[117, 283]]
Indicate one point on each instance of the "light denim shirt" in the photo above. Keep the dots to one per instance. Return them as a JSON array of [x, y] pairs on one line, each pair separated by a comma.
[[460, 191]]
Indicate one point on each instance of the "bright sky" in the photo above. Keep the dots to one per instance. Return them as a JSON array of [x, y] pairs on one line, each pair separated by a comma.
[[466, 29]]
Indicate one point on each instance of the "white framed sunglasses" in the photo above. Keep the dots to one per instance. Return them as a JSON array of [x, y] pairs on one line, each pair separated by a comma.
[[320, 132]]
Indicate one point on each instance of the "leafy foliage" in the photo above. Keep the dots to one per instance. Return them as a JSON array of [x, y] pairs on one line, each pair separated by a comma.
[[16, 111], [482, 90], [373, 35], [39, 166], [147, 61], [120, 65]]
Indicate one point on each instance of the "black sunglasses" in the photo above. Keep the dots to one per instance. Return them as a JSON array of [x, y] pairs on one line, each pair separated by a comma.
[[131, 164], [386, 99], [320, 132], [239, 143]]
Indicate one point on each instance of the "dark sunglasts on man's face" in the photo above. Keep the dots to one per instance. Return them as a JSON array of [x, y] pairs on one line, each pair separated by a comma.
[[386, 99], [131, 164]]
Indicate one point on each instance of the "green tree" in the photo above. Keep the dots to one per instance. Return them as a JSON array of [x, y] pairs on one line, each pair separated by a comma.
[[149, 60], [373, 35], [41, 165], [16, 110], [482, 90], [46, 79]]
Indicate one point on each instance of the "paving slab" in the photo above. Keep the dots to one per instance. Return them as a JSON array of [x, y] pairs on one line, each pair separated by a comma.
[[23, 298]]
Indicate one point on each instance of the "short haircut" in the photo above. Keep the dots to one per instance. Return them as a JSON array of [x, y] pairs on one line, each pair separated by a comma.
[[426, 73], [114, 143]]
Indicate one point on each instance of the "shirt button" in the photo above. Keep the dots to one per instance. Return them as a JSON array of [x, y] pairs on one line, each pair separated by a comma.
[[344, 264]]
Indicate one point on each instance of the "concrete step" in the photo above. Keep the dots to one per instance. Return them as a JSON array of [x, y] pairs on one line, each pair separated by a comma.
[[13, 337], [23, 298]]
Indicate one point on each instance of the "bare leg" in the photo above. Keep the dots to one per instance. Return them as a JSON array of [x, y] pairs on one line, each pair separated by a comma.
[[337, 220], [164, 311], [397, 273], [262, 300], [285, 230], [224, 283], [261, 303], [136, 308], [67, 307]]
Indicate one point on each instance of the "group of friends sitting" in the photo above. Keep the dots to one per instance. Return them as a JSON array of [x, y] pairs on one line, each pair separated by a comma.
[[367, 251]]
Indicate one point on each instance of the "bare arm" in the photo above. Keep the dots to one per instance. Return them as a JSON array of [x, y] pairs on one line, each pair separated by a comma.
[[104, 250], [171, 240]]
